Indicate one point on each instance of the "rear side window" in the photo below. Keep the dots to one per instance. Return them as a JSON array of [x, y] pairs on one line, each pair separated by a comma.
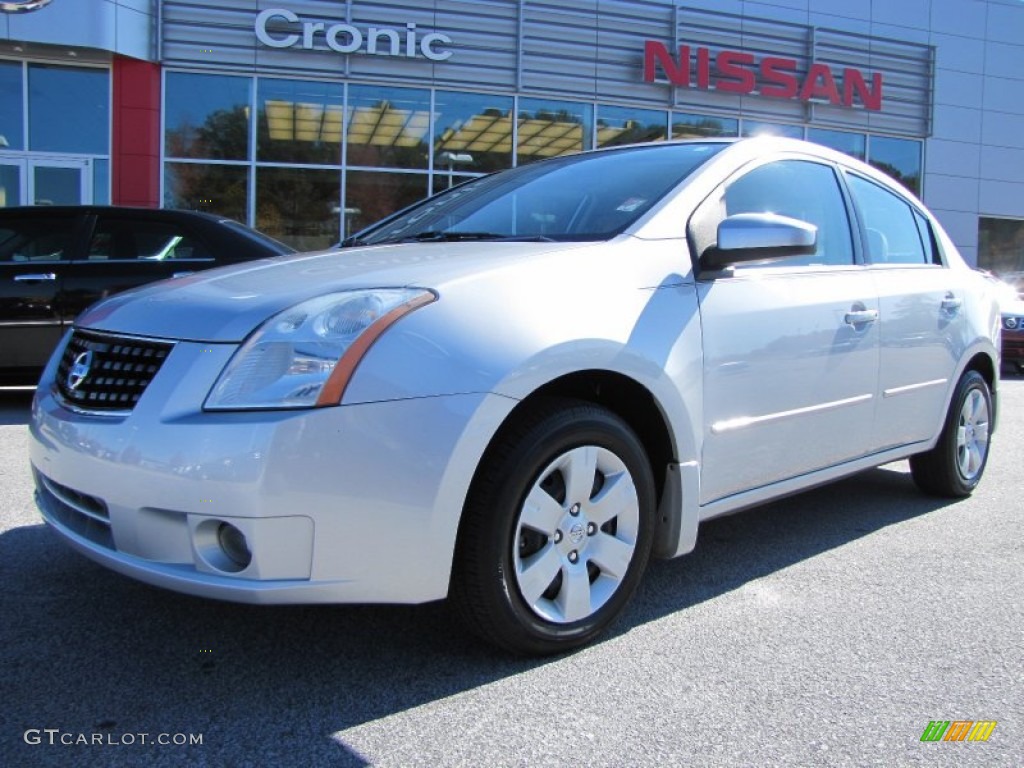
[[894, 231], [36, 239], [131, 239]]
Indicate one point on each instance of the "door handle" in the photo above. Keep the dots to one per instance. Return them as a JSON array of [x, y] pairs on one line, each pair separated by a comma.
[[861, 316], [38, 277], [951, 303]]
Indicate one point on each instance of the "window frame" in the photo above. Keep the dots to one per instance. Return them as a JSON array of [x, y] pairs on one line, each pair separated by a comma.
[[858, 253], [918, 214]]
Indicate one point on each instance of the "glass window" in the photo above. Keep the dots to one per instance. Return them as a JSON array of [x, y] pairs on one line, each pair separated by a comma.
[[801, 190], [762, 128], [387, 127], [299, 207], [36, 239], [900, 158], [206, 116], [550, 128], [622, 125], [370, 196], [1001, 247], [892, 232], [68, 109], [299, 121], [853, 144], [219, 189], [686, 126], [10, 185], [565, 198], [11, 106], [472, 132], [145, 241], [101, 182]]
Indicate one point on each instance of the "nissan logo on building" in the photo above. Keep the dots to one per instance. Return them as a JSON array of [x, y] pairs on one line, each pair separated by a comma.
[[19, 6]]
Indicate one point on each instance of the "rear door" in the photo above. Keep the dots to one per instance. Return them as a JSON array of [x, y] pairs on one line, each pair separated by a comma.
[[791, 347], [127, 249], [36, 247], [922, 324]]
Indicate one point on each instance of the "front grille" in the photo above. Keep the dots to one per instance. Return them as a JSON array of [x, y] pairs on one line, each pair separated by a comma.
[[85, 515], [108, 373]]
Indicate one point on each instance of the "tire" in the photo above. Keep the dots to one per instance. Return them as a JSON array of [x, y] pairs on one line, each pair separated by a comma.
[[953, 468], [557, 530]]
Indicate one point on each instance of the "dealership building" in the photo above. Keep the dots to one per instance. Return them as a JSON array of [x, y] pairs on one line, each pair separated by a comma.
[[311, 118]]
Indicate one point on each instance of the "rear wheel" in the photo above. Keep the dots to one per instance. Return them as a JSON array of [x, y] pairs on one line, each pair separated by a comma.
[[557, 530], [953, 468]]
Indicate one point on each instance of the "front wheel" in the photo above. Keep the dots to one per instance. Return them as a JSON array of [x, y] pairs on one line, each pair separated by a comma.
[[953, 468], [557, 530]]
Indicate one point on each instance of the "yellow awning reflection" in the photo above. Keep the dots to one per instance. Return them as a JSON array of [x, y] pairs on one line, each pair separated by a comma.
[[384, 125]]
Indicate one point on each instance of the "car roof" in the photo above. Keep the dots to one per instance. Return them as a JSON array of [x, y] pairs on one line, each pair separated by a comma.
[[79, 210]]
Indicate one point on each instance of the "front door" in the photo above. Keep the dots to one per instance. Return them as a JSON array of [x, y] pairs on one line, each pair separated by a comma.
[[792, 347]]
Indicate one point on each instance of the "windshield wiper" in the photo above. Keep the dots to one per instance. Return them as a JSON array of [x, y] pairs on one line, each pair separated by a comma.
[[454, 236]]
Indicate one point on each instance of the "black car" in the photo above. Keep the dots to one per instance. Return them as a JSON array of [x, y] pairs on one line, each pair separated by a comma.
[[55, 261]]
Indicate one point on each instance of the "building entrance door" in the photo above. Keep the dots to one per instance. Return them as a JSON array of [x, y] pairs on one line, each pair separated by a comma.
[[45, 181]]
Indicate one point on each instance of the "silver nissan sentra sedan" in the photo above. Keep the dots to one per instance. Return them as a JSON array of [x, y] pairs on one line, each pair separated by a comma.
[[515, 393]]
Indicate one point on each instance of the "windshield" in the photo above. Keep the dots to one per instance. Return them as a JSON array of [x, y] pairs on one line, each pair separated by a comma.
[[590, 196]]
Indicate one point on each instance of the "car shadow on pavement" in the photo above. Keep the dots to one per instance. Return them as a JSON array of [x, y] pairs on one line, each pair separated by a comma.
[[88, 651], [15, 405]]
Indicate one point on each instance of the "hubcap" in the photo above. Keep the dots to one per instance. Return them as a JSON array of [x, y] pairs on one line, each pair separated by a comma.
[[576, 534], [972, 435]]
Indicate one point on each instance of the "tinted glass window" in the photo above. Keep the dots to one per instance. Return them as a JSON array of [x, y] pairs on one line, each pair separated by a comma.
[[584, 197], [55, 93], [35, 240], [299, 121], [893, 236], [854, 144], [219, 189], [801, 190], [900, 158], [552, 128], [388, 127], [11, 101], [207, 116], [625, 125], [471, 133], [299, 207], [686, 126], [121, 239]]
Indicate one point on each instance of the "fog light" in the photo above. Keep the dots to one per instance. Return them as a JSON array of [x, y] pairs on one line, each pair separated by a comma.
[[234, 546]]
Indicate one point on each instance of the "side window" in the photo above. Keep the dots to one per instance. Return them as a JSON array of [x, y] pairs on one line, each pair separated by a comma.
[[799, 189], [35, 239], [124, 239], [894, 234]]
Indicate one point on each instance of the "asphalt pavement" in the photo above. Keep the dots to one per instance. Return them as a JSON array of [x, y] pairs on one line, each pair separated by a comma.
[[828, 629]]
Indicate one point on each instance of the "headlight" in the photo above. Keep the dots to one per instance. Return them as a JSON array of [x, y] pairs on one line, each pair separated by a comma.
[[305, 356]]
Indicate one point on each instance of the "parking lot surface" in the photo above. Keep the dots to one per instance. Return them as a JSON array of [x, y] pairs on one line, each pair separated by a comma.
[[828, 629]]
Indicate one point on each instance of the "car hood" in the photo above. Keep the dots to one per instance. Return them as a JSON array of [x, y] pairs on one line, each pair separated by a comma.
[[227, 304]]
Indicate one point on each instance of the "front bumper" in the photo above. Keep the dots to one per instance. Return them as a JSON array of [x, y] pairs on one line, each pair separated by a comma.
[[357, 503]]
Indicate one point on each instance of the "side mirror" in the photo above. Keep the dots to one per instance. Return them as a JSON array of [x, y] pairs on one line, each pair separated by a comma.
[[748, 237]]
